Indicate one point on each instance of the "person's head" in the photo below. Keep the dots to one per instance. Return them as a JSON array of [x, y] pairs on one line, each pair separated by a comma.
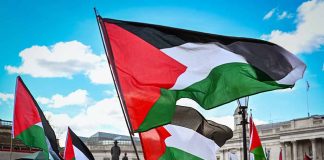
[[115, 142], [125, 154]]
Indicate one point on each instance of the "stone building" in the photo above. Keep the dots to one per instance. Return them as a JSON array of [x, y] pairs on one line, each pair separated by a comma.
[[295, 137], [18, 150]]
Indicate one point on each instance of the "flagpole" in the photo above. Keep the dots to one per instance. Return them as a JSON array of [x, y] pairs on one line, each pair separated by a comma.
[[307, 89], [243, 123], [108, 50]]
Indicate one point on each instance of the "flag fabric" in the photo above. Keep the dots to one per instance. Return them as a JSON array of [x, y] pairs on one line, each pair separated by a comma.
[[75, 149], [255, 142], [189, 137], [280, 154], [306, 157], [156, 65], [30, 124], [251, 156]]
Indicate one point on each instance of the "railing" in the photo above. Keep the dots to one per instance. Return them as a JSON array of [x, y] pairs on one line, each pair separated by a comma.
[[317, 122], [5, 123], [17, 148], [108, 147], [266, 131]]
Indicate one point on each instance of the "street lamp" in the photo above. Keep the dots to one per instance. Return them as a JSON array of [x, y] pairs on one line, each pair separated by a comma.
[[243, 105]]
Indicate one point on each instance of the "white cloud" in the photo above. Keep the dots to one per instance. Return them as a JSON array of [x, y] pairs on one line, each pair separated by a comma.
[[76, 98], [259, 122], [269, 14], [284, 15], [309, 33], [105, 115], [190, 103], [224, 120], [6, 96], [110, 93], [63, 59]]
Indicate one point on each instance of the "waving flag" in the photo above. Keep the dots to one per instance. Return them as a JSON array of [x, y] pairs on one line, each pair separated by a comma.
[[189, 137], [75, 149], [157, 65], [30, 124], [255, 143]]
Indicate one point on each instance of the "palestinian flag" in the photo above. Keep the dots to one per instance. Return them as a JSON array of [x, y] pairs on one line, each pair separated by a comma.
[[255, 143], [75, 149], [189, 137], [30, 124], [156, 65]]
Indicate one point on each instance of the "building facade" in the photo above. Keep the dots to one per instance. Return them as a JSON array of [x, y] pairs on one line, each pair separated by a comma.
[[295, 138], [18, 150]]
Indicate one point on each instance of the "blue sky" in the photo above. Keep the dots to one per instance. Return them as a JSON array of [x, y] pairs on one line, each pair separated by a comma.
[[45, 41]]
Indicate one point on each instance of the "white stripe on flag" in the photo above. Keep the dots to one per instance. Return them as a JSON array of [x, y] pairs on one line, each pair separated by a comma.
[[197, 57], [39, 124], [78, 154], [191, 142], [297, 72], [52, 154]]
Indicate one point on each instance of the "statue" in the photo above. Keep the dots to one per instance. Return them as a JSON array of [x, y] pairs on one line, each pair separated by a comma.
[[115, 151], [125, 156]]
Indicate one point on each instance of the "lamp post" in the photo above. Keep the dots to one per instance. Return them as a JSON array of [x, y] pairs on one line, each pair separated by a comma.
[[243, 105]]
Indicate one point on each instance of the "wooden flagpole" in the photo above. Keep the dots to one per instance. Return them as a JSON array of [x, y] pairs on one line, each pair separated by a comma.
[[108, 50]]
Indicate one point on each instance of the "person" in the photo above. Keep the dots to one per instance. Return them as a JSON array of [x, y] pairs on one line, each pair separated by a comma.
[[115, 151], [125, 156]]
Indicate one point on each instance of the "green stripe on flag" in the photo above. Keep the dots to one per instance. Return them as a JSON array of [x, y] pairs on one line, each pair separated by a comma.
[[172, 153], [34, 136], [224, 84], [258, 153]]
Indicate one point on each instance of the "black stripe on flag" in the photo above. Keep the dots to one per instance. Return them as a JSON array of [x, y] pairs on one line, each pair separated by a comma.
[[265, 56], [190, 118], [77, 142]]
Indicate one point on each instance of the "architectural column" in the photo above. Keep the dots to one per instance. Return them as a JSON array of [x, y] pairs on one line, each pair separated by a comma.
[[283, 150], [313, 149], [294, 143], [224, 156]]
